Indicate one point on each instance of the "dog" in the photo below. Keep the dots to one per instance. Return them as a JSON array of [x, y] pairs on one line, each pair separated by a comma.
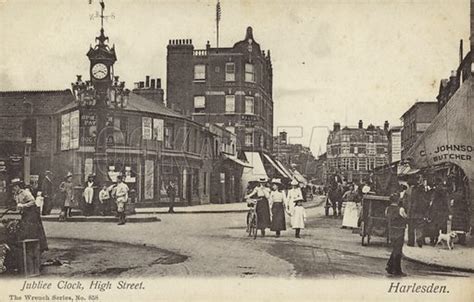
[[447, 239], [62, 216]]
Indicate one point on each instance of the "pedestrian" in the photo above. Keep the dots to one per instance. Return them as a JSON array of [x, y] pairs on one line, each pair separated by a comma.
[[121, 199], [397, 217], [171, 192], [104, 200], [31, 226], [88, 195], [277, 202], [417, 208], [298, 217], [66, 187], [335, 195], [293, 194], [438, 211], [39, 200], [47, 192], [262, 208], [351, 210]]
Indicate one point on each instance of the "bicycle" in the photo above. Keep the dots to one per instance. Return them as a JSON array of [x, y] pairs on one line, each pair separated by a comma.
[[252, 219]]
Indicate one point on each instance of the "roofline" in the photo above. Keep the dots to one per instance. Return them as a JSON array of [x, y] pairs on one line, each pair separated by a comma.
[[416, 104], [7, 92]]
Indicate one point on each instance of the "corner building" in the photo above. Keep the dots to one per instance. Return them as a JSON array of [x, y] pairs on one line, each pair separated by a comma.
[[230, 87]]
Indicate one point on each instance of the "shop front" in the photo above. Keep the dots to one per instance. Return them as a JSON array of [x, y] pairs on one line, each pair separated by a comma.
[[445, 151]]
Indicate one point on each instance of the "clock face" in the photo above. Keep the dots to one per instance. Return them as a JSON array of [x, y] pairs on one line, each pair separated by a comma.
[[99, 71]]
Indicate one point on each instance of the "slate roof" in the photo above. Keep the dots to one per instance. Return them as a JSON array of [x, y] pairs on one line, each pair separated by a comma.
[[39, 101]]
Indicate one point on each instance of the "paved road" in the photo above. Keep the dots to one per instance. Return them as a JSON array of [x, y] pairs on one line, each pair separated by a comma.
[[216, 245]]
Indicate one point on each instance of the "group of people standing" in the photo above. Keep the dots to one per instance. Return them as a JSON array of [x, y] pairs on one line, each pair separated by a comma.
[[273, 204]]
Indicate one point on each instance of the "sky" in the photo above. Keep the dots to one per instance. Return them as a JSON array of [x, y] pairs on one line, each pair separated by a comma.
[[333, 60]]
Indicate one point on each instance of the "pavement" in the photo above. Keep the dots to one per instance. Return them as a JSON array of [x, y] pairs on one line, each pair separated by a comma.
[[459, 258]]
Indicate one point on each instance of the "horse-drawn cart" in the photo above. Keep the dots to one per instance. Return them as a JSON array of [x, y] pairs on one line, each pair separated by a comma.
[[372, 220]]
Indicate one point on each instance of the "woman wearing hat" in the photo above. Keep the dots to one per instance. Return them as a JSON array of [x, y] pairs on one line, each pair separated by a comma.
[[67, 189], [293, 194], [262, 208], [277, 200], [31, 226]]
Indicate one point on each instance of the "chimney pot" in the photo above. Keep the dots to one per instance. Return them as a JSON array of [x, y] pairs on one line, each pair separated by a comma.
[[152, 85], [361, 124], [142, 84], [147, 81], [158, 83]]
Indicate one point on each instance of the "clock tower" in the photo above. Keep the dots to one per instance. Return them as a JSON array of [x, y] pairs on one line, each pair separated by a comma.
[[102, 58]]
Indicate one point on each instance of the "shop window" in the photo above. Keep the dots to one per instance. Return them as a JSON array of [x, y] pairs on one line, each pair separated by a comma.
[[230, 72], [229, 103], [199, 103], [248, 139], [249, 73], [200, 72], [249, 105], [168, 136]]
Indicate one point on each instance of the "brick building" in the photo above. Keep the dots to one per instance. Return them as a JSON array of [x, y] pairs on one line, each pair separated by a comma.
[[415, 121], [293, 155], [354, 152], [231, 87]]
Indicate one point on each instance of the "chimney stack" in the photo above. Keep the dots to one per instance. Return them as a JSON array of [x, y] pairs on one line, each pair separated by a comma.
[[337, 127], [152, 85], [361, 124], [147, 81], [158, 83], [385, 126]]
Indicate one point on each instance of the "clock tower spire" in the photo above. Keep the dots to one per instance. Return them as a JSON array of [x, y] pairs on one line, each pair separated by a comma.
[[102, 58]]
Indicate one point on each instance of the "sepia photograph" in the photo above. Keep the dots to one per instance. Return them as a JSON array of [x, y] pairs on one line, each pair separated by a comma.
[[236, 150]]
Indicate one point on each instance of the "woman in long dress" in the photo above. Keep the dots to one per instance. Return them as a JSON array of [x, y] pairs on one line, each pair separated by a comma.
[[31, 226], [262, 208], [277, 202]]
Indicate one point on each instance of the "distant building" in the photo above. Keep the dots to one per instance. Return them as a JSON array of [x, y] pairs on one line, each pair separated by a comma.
[[354, 152], [395, 144], [228, 86], [448, 87], [320, 170], [295, 155], [415, 121]]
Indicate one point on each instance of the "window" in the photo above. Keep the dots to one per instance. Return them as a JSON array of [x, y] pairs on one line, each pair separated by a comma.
[[200, 72], [168, 136], [229, 103], [249, 109], [249, 73], [229, 72], [248, 139], [199, 103]]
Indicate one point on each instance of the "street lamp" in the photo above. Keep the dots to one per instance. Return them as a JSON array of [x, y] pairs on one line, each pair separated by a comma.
[[118, 94]]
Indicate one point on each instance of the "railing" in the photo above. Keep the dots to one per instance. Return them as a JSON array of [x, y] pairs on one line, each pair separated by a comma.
[[200, 52]]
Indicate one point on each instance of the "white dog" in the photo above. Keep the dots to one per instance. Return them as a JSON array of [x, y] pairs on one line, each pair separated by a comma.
[[447, 239]]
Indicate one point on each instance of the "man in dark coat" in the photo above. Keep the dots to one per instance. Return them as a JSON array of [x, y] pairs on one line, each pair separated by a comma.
[[438, 211], [47, 191], [397, 217], [171, 192], [415, 202]]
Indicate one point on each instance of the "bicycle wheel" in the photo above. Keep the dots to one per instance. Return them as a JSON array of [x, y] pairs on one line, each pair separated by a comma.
[[254, 226]]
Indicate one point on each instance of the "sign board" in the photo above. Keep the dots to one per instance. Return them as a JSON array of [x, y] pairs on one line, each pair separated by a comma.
[[146, 128], [65, 131], [89, 129], [158, 126]]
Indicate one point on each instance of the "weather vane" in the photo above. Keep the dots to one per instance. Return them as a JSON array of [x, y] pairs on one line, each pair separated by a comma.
[[101, 14]]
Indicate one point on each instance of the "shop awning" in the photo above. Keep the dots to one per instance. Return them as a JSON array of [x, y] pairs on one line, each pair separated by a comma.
[[257, 171], [287, 172], [450, 136], [299, 177], [270, 160], [237, 161]]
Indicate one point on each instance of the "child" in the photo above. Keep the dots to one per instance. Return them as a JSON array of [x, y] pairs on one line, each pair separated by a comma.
[[298, 217], [104, 198], [39, 201]]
